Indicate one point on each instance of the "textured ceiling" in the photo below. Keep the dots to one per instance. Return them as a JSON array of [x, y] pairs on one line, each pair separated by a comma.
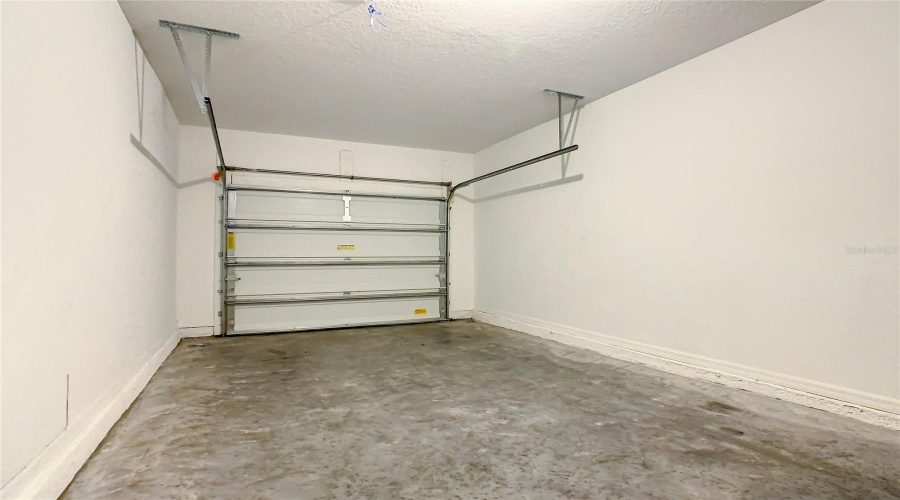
[[449, 75]]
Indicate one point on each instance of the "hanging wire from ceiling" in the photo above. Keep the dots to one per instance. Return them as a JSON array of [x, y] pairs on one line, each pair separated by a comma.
[[375, 13]]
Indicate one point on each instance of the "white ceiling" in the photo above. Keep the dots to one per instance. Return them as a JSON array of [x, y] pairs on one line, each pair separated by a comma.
[[449, 75]]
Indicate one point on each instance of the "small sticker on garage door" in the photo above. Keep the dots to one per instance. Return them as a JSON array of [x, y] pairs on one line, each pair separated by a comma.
[[230, 242], [346, 247], [421, 311]]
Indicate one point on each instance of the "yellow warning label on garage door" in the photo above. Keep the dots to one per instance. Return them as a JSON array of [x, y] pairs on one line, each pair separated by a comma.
[[346, 247], [230, 241], [421, 311]]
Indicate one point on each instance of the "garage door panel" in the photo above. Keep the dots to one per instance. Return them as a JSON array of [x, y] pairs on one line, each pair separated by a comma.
[[300, 258], [393, 211], [258, 243], [253, 181], [252, 205], [306, 316], [306, 207], [306, 280]]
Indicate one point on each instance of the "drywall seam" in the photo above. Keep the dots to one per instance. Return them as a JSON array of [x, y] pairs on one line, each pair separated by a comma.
[[187, 332], [48, 475], [827, 398]]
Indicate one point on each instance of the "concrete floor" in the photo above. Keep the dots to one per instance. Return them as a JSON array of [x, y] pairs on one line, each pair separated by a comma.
[[466, 410]]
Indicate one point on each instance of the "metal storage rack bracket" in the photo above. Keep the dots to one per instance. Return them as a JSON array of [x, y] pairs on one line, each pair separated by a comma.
[[201, 89]]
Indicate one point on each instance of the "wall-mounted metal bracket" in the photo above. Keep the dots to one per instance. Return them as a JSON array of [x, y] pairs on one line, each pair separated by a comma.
[[564, 137], [201, 89]]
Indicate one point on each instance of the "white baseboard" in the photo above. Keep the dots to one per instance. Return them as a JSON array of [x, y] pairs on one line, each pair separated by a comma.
[[48, 475], [461, 314], [187, 332], [860, 405]]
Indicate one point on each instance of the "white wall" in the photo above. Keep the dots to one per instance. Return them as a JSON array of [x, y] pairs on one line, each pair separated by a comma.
[[88, 235], [197, 233], [715, 212]]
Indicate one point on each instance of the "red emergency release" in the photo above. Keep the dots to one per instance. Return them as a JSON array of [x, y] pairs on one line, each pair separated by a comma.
[[217, 176]]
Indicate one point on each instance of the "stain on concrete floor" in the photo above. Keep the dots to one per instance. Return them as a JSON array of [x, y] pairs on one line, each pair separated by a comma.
[[470, 411]]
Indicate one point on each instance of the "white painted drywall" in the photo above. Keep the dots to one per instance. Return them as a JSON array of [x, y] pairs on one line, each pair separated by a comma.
[[88, 234], [197, 233], [716, 209]]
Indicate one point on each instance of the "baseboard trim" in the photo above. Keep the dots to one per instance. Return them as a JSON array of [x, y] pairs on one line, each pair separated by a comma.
[[188, 332], [48, 475], [461, 314], [862, 406]]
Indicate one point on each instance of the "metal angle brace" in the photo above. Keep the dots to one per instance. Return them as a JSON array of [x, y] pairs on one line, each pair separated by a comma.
[[563, 137], [200, 89]]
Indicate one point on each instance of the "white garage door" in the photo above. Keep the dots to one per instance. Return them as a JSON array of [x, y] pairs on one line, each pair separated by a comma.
[[312, 253]]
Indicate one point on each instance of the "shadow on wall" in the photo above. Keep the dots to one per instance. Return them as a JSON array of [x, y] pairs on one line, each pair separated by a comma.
[[140, 65], [564, 162]]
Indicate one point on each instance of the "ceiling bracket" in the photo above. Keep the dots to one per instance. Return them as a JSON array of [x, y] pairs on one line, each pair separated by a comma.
[[201, 89], [564, 136]]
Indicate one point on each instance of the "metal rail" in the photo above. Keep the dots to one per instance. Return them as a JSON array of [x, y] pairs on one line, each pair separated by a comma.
[[337, 263], [223, 204], [525, 163], [233, 224], [215, 132], [334, 176]]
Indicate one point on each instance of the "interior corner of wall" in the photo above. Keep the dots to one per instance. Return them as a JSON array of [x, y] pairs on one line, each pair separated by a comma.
[[50, 472]]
